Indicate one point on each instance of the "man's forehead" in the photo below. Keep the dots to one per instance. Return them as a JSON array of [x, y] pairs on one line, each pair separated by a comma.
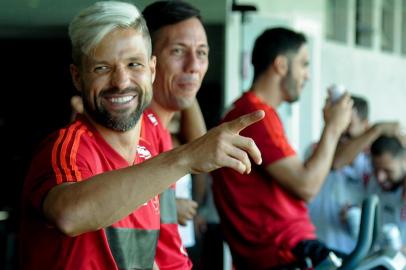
[[384, 159], [303, 52], [301, 55], [122, 43], [187, 30]]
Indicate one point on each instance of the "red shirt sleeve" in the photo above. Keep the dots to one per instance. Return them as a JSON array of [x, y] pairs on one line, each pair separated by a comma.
[[270, 138], [58, 161]]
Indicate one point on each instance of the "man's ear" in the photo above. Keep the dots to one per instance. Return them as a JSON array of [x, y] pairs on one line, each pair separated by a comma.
[[281, 65], [76, 79], [152, 66]]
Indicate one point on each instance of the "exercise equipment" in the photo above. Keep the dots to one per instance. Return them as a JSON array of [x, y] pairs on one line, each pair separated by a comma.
[[364, 256]]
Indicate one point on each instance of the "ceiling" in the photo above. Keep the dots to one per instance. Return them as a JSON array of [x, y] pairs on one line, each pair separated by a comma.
[[21, 17]]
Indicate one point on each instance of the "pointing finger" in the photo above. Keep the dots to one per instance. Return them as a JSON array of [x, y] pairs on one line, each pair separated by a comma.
[[246, 120]]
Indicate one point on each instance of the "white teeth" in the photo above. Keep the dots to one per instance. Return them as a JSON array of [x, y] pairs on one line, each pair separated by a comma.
[[121, 100]]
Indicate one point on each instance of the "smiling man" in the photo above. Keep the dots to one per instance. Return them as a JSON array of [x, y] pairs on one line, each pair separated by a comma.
[[90, 199], [180, 44], [264, 214], [389, 164]]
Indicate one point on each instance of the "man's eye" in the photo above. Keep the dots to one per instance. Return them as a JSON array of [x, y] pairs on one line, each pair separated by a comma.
[[202, 53], [101, 68], [135, 65], [177, 51]]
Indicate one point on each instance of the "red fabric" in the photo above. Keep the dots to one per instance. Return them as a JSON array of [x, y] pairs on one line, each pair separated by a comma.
[[170, 253], [74, 154], [262, 222]]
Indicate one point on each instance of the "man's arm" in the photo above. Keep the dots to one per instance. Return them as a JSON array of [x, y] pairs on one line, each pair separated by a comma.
[[104, 199], [192, 124], [347, 151], [305, 179], [192, 127]]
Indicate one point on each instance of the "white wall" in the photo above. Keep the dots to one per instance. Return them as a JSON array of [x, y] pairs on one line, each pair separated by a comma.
[[379, 77]]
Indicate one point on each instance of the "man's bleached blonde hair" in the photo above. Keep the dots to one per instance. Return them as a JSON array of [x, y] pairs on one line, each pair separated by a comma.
[[92, 24]]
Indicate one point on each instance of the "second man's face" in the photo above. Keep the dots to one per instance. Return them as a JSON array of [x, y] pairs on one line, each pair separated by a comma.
[[182, 61], [390, 171]]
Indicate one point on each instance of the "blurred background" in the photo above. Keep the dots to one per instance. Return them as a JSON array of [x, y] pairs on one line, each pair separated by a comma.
[[358, 43]]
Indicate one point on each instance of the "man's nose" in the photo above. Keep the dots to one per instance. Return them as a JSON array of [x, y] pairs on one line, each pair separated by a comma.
[[120, 78], [307, 75], [193, 63]]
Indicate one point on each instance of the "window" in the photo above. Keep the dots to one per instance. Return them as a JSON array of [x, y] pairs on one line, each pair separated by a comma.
[[337, 20], [387, 25], [372, 24], [363, 23], [403, 38]]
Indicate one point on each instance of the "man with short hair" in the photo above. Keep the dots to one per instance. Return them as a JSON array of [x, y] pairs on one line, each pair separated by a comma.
[[90, 199], [264, 214], [389, 164], [180, 44], [345, 186]]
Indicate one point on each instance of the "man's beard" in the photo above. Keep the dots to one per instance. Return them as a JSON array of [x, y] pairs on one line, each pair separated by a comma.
[[120, 120], [289, 85], [394, 186]]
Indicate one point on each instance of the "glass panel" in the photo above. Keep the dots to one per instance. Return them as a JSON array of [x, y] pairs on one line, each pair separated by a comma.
[[337, 23], [387, 25], [363, 23], [404, 27]]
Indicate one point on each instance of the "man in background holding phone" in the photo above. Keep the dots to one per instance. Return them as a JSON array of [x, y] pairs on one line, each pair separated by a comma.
[[266, 213]]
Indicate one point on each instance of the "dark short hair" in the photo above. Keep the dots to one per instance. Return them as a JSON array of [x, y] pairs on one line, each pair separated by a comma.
[[387, 144], [271, 43], [163, 13], [361, 106]]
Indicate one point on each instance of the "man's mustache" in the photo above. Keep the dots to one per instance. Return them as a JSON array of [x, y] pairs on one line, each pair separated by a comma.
[[188, 79]]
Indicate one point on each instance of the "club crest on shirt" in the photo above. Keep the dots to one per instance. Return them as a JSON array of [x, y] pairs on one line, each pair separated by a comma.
[[154, 202], [143, 152]]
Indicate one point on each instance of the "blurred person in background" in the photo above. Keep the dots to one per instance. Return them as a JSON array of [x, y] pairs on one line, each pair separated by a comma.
[[264, 215], [346, 184], [389, 165]]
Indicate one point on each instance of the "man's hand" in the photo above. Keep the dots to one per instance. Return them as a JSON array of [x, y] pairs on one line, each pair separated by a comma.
[[338, 115], [186, 210], [222, 146]]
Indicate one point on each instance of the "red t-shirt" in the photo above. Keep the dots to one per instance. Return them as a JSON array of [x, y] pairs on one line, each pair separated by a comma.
[[262, 221], [74, 154], [170, 253]]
